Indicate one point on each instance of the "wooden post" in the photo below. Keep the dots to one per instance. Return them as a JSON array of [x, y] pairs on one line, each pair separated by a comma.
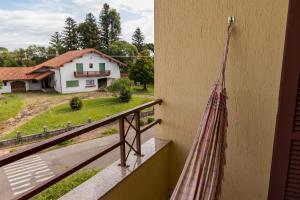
[[137, 132], [122, 140], [19, 137]]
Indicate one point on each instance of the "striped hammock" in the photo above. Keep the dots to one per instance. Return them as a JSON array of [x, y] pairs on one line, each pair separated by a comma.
[[203, 171]]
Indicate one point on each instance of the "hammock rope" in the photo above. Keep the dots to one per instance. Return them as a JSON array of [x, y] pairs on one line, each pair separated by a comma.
[[202, 174]]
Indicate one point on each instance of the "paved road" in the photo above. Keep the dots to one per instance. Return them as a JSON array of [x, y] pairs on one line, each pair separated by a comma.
[[21, 176]]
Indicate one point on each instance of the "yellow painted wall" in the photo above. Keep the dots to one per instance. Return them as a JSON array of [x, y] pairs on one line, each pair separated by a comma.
[[189, 38], [148, 182]]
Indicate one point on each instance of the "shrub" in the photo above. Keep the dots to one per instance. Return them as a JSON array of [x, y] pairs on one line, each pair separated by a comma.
[[76, 103], [142, 122], [66, 143], [122, 89], [12, 150], [150, 119], [110, 131], [125, 95]]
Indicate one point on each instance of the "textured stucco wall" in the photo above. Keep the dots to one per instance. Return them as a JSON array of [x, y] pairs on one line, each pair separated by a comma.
[[189, 39]]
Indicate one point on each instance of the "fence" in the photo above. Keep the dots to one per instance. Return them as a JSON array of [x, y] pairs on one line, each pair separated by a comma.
[[48, 134], [122, 117]]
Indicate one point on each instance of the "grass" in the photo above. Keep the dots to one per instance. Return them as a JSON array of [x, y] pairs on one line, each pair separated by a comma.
[[110, 131], [139, 90], [10, 106], [61, 188], [59, 116]]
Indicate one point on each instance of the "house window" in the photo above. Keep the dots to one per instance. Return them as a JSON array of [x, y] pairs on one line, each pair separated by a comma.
[[79, 67], [102, 67], [91, 65], [34, 81], [4, 83], [74, 83], [90, 83]]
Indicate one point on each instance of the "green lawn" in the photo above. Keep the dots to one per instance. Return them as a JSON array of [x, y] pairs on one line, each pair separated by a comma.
[[10, 106], [139, 90], [61, 188], [59, 116]]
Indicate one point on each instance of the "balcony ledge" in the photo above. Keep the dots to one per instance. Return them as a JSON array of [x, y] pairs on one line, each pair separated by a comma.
[[110, 177]]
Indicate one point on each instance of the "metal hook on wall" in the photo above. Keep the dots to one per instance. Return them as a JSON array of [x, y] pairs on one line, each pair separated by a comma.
[[231, 19]]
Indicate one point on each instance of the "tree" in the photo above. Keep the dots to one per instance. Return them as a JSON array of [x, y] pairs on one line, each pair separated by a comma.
[[143, 70], [121, 87], [115, 25], [20, 56], [110, 25], [138, 39], [125, 53], [89, 33], [56, 42], [70, 36], [36, 55], [8, 59], [150, 47]]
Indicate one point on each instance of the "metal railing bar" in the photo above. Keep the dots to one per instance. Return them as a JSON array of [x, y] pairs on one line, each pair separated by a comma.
[[130, 123], [44, 185], [12, 157], [131, 148], [158, 121], [128, 128]]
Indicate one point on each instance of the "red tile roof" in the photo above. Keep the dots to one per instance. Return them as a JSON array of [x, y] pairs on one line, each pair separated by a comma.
[[21, 73], [59, 61], [28, 73]]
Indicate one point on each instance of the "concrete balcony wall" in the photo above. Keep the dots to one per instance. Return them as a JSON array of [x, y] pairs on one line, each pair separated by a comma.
[[189, 40], [148, 182]]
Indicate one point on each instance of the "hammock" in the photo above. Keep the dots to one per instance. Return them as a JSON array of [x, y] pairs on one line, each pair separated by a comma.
[[203, 171]]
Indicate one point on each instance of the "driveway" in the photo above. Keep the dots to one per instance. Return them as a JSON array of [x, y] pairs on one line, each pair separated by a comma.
[[21, 176]]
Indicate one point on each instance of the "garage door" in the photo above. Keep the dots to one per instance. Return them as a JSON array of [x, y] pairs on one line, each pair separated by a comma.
[[18, 86]]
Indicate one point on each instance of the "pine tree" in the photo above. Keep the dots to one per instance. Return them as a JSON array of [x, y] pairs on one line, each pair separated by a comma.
[[104, 25], [110, 25], [70, 36], [57, 43], [115, 25], [89, 33], [138, 39]]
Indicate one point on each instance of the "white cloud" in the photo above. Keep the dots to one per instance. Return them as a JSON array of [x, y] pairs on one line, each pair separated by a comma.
[[144, 9], [34, 24], [20, 28]]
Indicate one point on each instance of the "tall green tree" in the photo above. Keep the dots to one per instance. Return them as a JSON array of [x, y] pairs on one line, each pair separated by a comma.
[[115, 25], [124, 52], [20, 56], [150, 47], [8, 59], [110, 25], [56, 42], [89, 33], [70, 35], [143, 70], [138, 39]]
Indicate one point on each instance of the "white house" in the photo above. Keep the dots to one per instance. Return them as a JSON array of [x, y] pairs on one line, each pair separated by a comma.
[[75, 71]]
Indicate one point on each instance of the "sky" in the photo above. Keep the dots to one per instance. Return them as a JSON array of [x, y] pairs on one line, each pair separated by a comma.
[[27, 22]]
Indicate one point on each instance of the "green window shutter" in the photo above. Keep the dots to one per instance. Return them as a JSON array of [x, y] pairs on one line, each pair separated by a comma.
[[102, 67], [74, 83], [79, 67]]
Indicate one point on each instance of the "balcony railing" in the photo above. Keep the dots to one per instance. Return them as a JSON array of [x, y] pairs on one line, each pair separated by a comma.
[[92, 74], [126, 116]]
